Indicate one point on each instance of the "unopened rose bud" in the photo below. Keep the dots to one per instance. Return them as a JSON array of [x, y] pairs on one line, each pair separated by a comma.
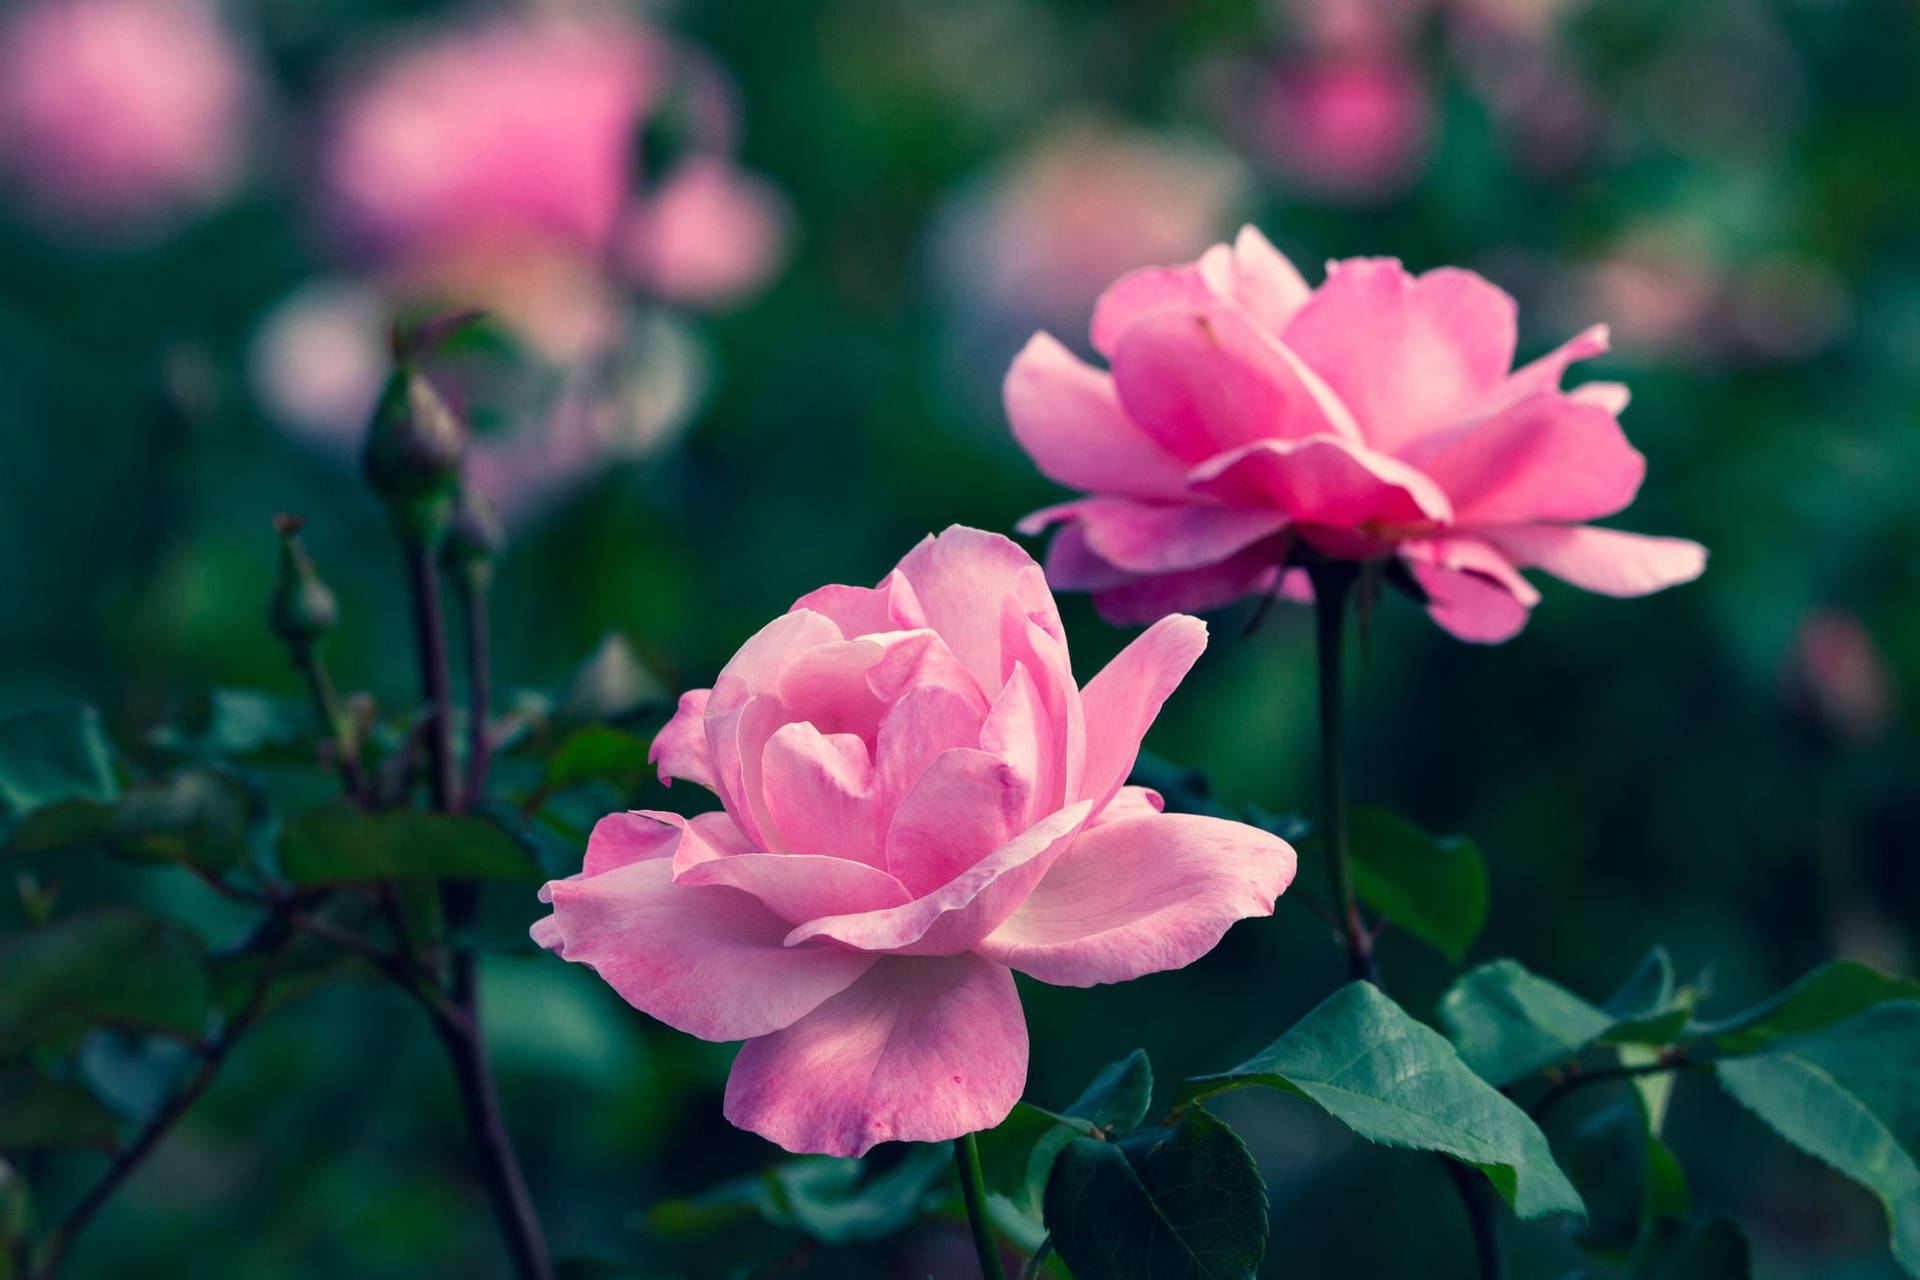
[[473, 540], [303, 608], [413, 451]]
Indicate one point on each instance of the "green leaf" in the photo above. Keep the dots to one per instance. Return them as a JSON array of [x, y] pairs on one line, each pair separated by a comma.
[[1435, 888], [238, 723], [835, 1202], [53, 754], [109, 966], [1184, 1203], [1508, 1022], [38, 1112], [197, 817], [340, 844], [1830, 994], [1395, 1081], [1628, 1177], [832, 1200], [1714, 1249], [1846, 1094], [1017, 1155], [596, 752]]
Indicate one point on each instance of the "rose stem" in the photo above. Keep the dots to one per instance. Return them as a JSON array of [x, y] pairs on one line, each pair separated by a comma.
[[966, 1157], [1333, 582]]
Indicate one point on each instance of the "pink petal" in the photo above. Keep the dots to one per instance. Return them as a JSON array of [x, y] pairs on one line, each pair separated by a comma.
[[953, 917], [1020, 731], [739, 740], [860, 611], [703, 838], [1124, 698], [817, 791], [915, 659], [964, 578], [1611, 396], [1073, 566], [828, 686], [620, 838], [1156, 538], [966, 805], [1472, 590], [919, 1050], [1324, 481], [1034, 641], [1404, 353], [926, 721], [1252, 572], [709, 961], [1545, 373], [799, 887], [1204, 382], [1133, 802], [1140, 895], [1148, 291], [680, 748], [1066, 416], [1603, 560], [1265, 284], [1548, 457]]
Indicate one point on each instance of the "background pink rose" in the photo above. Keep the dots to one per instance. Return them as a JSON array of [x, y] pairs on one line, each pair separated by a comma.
[[1377, 416], [917, 799], [116, 113]]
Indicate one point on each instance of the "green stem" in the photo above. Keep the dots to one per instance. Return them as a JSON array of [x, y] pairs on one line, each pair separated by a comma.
[[473, 606], [339, 725], [1332, 584], [966, 1157], [436, 680]]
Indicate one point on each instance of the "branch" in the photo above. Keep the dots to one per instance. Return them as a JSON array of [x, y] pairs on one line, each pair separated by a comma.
[[212, 1053]]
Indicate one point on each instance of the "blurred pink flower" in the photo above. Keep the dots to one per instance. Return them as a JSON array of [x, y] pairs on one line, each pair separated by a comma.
[[1836, 677], [1354, 26], [120, 113], [1349, 128], [1039, 238], [917, 800], [460, 161], [510, 133], [1376, 417], [709, 236]]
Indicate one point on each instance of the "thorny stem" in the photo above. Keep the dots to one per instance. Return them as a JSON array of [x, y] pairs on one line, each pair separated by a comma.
[[212, 1053], [973, 1190]]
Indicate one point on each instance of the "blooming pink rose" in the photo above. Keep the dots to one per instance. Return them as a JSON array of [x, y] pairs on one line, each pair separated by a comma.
[[918, 799], [1376, 416], [118, 112]]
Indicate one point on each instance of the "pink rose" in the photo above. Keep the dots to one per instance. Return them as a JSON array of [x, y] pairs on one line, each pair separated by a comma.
[[118, 113], [1247, 416], [918, 799], [711, 235]]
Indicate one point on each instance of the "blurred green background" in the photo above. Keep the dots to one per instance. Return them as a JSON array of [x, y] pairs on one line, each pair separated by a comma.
[[1727, 768]]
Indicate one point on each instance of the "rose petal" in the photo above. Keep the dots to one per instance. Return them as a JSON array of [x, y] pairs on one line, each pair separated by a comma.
[[1547, 457], [960, 912], [709, 961], [1403, 353], [1264, 283], [1252, 572], [1545, 373], [1066, 416], [680, 748], [919, 1050], [1140, 895], [799, 887], [966, 805], [1324, 481], [963, 579], [1157, 538], [1603, 560], [817, 788], [1122, 700], [1148, 291], [860, 611], [1204, 382], [1472, 591]]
